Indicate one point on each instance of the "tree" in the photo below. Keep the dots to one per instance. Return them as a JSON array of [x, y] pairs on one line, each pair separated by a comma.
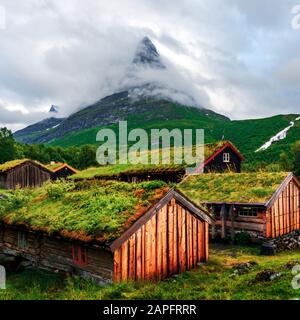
[[87, 156], [7, 145], [296, 158]]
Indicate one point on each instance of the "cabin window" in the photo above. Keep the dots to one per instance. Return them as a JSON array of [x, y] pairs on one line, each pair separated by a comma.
[[22, 239], [226, 157], [248, 212], [79, 255]]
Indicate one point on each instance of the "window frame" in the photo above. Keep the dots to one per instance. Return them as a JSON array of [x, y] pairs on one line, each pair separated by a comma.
[[79, 255], [226, 157], [254, 212]]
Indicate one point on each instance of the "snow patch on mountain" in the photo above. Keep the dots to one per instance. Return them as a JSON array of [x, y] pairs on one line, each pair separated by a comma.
[[279, 136]]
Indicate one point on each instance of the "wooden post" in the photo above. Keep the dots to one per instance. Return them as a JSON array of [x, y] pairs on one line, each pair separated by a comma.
[[223, 220], [231, 215]]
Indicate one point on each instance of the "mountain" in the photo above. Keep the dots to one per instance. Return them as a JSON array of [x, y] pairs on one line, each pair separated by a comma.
[[144, 106], [53, 109], [147, 55], [32, 133], [144, 99]]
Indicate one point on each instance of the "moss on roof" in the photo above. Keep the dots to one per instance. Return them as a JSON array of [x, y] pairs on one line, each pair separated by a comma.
[[114, 171], [117, 169], [255, 187], [211, 148], [14, 163], [85, 211], [53, 166]]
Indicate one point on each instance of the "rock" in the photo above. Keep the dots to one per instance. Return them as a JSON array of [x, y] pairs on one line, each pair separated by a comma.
[[275, 276], [268, 249], [291, 264], [244, 267], [266, 275]]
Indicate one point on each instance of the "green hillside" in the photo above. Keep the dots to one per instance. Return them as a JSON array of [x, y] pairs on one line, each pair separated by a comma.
[[171, 116], [247, 135]]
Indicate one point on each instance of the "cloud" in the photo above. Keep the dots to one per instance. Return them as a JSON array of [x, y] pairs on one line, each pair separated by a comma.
[[241, 59]]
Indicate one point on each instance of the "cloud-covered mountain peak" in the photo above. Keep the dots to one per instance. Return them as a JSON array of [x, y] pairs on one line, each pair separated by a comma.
[[147, 55]]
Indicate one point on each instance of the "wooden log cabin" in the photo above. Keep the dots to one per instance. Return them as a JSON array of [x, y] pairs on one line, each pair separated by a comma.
[[265, 205], [132, 242], [23, 173], [221, 156], [61, 170], [218, 157]]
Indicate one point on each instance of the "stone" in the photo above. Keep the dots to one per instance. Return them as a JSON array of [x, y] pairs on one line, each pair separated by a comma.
[[268, 249], [266, 275], [244, 267]]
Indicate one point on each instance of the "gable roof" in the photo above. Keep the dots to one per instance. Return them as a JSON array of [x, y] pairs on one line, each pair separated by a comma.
[[212, 150], [59, 165], [172, 194], [235, 188], [91, 212], [10, 165]]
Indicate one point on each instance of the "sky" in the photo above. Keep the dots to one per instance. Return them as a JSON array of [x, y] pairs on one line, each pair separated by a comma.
[[238, 58]]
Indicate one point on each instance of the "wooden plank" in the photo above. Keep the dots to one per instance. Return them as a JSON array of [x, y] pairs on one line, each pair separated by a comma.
[[138, 255], [194, 241], [153, 262], [117, 265], [147, 251], [223, 221], [179, 240], [206, 241], [143, 256], [175, 240], [159, 252], [170, 239], [245, 226], [183, 240], [131, 271], [199, 241], [188, 248], [164, 229], [124, 271], [190, 234]]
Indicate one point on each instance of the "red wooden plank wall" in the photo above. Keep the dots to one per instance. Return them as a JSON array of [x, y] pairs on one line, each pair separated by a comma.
[[172, 241]]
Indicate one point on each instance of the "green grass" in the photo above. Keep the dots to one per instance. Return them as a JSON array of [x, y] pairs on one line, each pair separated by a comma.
[[246, 135], [232, 187], [213, 280], [87, 211]]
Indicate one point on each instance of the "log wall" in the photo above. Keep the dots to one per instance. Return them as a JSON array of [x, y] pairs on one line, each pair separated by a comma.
[[172, 241], [284, 216], [26, 175], [56, 254]]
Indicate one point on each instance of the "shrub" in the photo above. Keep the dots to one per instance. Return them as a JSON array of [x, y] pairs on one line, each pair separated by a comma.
[[242, 238], [57, 189]]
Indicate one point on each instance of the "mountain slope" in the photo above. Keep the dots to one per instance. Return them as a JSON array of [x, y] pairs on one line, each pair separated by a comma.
[[144, 105], [32, 133]]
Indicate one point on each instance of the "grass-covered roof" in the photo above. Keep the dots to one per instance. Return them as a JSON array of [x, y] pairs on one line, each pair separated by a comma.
[[117, 169], [254, 187], [99, 211], [15, 163], [53, 166], [59, 165]]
